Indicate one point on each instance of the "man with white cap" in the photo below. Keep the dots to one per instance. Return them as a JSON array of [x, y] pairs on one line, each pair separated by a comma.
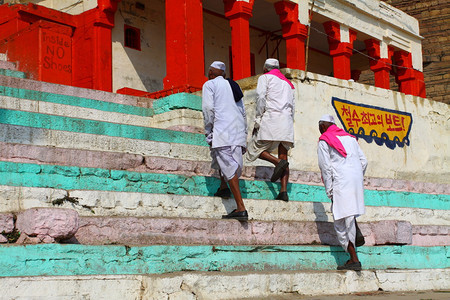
[[226, 133], [274, 123], [343, 164]]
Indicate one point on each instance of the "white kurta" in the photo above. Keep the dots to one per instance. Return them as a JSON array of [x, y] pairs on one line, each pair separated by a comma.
[[225, 120], [274, 109], [343, 177]]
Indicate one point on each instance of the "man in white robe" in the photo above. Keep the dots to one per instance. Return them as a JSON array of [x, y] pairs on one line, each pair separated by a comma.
[[226, 133], [274, 123], [343, 164]]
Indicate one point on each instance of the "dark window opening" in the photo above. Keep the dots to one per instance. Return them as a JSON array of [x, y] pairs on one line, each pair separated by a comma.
[[132, 37], [140, 5]]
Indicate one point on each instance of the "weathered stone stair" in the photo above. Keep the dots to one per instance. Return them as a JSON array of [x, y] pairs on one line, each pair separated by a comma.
[[143, 193]]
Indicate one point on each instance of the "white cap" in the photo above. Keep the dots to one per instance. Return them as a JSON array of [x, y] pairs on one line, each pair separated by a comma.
[[272, 62], [327, 118], [218, 65]]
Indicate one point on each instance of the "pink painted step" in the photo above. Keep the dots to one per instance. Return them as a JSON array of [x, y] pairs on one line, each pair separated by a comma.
[[8, 65], [149, 231]]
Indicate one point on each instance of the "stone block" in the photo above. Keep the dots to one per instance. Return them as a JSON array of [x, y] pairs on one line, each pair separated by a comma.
[[6, 223], [392, 232], [404, 233], [131, 202], [48, 224]]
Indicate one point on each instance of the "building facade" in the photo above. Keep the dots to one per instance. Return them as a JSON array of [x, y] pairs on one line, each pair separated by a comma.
[[434, 20], [158, 47]]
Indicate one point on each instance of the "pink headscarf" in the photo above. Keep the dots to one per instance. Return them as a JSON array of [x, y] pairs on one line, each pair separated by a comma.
[[276, 72], [330, 136]]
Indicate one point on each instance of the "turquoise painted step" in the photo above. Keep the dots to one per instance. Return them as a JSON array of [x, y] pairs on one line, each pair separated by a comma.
[[75, 101], [177, 101], [37, 120], [56, 259], [76, 178], [12, 73], [172, 102]]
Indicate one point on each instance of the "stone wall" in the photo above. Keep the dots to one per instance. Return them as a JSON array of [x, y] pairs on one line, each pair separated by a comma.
[[422, 160], [434, 21]]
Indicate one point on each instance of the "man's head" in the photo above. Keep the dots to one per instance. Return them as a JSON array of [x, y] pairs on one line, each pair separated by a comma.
[[325, 122], [270, 64], [217, 68]]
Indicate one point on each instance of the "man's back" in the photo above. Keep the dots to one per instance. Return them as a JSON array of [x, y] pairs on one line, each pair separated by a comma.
[[346, 178], [279, 94], [275, 103], [227, 117]]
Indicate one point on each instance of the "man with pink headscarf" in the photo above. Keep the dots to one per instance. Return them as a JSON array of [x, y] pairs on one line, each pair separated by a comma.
[[343, 164], [274, 123]]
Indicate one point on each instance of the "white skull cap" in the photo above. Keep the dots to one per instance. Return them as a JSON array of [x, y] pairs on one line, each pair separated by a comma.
[[272, 62], [327, 118], [218, 65]]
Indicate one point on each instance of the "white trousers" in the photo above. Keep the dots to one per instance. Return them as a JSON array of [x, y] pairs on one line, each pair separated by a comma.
[[228, 160], [346, 231]]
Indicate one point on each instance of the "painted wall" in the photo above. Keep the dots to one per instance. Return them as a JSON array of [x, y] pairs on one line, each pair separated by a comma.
[[73, 7], [145, 69], [217, 37], [427, 157], [378, 20]]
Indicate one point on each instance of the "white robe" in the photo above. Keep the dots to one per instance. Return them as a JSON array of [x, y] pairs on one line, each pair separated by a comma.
[[343, 177], [274, 109], [225, 120]]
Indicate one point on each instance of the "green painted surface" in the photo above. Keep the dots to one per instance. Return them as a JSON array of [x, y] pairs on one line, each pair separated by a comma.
[[12, 73], [172, 102], [75, 101], [177, 101], [76, 178], [37, 120], [56, 259]]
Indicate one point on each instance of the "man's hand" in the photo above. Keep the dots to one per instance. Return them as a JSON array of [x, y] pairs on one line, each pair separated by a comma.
[[209, 139]]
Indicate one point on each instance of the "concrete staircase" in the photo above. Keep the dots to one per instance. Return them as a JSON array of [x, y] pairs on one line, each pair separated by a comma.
[[138, 174]]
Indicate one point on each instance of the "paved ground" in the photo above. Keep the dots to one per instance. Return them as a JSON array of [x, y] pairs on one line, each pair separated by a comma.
[[424, 295]]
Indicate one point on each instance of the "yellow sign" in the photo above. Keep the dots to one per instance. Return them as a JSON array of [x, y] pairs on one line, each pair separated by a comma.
[[384, 126]]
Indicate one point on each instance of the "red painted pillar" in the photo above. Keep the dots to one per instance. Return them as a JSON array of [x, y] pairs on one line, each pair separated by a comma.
[[92, 44], [380, 66], [340, 51], [410, 81], [185, 58], [294, 33], [239, 12]]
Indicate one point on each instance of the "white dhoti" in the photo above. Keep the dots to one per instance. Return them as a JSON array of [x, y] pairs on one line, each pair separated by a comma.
[[255, 148], [228, 160], [346, 231]]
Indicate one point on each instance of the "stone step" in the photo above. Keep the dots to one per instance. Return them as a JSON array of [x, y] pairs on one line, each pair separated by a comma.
[[7, 71], [90, 203], [230, 285], [75, 94], [48, 225], [183, 231], [64, 132], [70, 259], [64, 139], [97, 179], [7, 65], [163, 116], [171, 119], [146, 163], [86, 126], [58, 89]]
